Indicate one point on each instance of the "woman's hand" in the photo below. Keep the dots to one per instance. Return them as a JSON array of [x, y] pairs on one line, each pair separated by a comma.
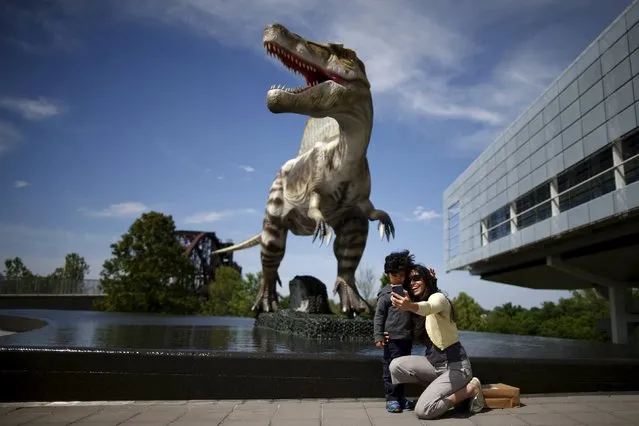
[[403, 303], [433, 275]]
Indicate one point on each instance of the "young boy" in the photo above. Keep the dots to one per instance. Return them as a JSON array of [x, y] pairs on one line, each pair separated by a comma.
[[397, 325]]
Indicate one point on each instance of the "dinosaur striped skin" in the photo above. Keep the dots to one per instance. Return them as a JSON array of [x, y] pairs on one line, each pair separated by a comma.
[[325, 190]]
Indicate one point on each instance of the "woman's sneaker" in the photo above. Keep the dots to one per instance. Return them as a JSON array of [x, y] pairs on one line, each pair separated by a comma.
[[478, 402], [407, 404], [393, 407]]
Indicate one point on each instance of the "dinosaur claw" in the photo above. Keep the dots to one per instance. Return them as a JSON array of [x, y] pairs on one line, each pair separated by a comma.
[[323, 232], [329, 237], [386, 229]]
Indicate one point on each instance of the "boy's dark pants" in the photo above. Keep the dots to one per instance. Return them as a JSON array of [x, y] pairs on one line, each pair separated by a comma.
[[394, 349]]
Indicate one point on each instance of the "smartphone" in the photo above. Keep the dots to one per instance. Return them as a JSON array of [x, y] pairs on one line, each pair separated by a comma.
[[398, 289]]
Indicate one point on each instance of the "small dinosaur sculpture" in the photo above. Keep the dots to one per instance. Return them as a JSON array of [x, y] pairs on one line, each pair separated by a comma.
[[325, 190]]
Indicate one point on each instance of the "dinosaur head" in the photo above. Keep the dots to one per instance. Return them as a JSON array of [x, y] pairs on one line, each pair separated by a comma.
[[335, 76]]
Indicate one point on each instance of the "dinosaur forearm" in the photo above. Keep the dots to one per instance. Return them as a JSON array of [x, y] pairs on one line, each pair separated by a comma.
[[370, 211], [314, 205]]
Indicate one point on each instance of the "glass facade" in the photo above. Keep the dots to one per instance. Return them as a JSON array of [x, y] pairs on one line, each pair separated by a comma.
[[590, 178], [453, 230], [498, 223], [533, 207], [630, 149]]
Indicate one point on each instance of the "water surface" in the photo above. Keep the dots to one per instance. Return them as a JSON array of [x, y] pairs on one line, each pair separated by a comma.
[[92, 329]]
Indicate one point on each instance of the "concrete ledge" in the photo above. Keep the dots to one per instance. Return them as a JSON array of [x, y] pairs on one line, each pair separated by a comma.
[[65, 302], [78, 374], [20, 324]]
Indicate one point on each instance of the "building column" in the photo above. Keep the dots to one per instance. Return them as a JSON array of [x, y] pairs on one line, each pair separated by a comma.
[[554, 203], [618, 321], [620, 318], [617, 161], [484, 232], [513, 218]]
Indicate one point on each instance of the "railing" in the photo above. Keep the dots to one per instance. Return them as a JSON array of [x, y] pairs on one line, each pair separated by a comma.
[[554, 199], [49, 286]]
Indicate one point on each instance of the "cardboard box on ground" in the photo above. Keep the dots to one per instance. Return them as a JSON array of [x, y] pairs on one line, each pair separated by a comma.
[[500, 395]]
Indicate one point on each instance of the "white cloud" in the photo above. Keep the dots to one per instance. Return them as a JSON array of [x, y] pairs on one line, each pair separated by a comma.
[[418, 214], [214, 216], [421, 56], [20, 184], [9, 136], [247, 169], [220, 178], [479, 63], [121, 210], [421, 214], [33, 109]]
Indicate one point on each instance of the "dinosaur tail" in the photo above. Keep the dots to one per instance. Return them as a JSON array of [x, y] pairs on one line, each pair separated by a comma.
[[253, 241]]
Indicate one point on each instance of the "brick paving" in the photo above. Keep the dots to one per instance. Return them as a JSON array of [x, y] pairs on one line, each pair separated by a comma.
[[583, 409]]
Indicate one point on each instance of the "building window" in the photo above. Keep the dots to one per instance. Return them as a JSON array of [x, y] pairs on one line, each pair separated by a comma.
[[453, 230], [630, 148], [581, 172], [498, 223], [539, 198]]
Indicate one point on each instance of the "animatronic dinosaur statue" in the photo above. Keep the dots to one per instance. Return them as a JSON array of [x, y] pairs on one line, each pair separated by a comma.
[[328, 184]]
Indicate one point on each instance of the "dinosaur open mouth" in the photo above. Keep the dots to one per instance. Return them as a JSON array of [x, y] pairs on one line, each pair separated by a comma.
[[311, 73]]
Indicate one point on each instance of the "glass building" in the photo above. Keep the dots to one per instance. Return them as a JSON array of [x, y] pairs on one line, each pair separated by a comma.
[[553, 202]]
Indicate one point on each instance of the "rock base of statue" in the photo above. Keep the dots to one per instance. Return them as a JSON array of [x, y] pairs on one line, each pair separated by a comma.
[[317, 326], [309, 315], [309, 295]]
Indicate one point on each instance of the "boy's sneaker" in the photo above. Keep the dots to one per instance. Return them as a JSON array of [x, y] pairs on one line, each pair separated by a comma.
[[478, 402], [393, 407], [407, 404]]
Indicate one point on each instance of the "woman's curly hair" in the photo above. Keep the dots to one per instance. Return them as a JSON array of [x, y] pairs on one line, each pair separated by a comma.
[[431, 286]]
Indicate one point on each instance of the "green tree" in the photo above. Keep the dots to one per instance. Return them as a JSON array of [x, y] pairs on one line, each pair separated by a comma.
[[505, 319], [149, 270], [70, 276], [245, 294], [16, 270], [284, 302], [383, 280], [230, 295], [575, 317], [470, 315]]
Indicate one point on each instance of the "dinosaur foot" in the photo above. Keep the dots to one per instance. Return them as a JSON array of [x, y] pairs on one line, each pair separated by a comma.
[[351, 304], [265, 304], [323, 232]]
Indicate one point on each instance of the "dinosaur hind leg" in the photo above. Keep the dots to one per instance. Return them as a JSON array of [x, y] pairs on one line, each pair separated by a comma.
[[350, 242], [273, 247]]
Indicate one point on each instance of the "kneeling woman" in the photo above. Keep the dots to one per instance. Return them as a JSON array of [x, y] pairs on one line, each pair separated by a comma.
[[445, 370]]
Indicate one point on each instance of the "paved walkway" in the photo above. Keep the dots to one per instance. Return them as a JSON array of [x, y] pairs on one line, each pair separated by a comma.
[[585, 409]]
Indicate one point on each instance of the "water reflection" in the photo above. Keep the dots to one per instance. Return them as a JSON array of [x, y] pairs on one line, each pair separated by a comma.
[[136, 331]]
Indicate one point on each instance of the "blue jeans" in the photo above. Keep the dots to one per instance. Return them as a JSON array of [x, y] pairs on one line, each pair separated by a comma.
[[394, 349]]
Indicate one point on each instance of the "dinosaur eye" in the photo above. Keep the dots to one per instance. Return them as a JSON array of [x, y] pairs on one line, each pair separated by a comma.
[[320, 51], [348, 63]]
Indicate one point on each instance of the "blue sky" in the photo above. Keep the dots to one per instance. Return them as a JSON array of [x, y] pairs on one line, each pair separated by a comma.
[[109, 109]]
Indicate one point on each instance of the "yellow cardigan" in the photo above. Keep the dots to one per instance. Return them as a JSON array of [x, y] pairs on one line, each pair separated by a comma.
[[441, 330]]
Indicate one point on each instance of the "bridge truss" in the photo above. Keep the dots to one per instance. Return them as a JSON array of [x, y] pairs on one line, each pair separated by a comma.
[[199, 246]]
